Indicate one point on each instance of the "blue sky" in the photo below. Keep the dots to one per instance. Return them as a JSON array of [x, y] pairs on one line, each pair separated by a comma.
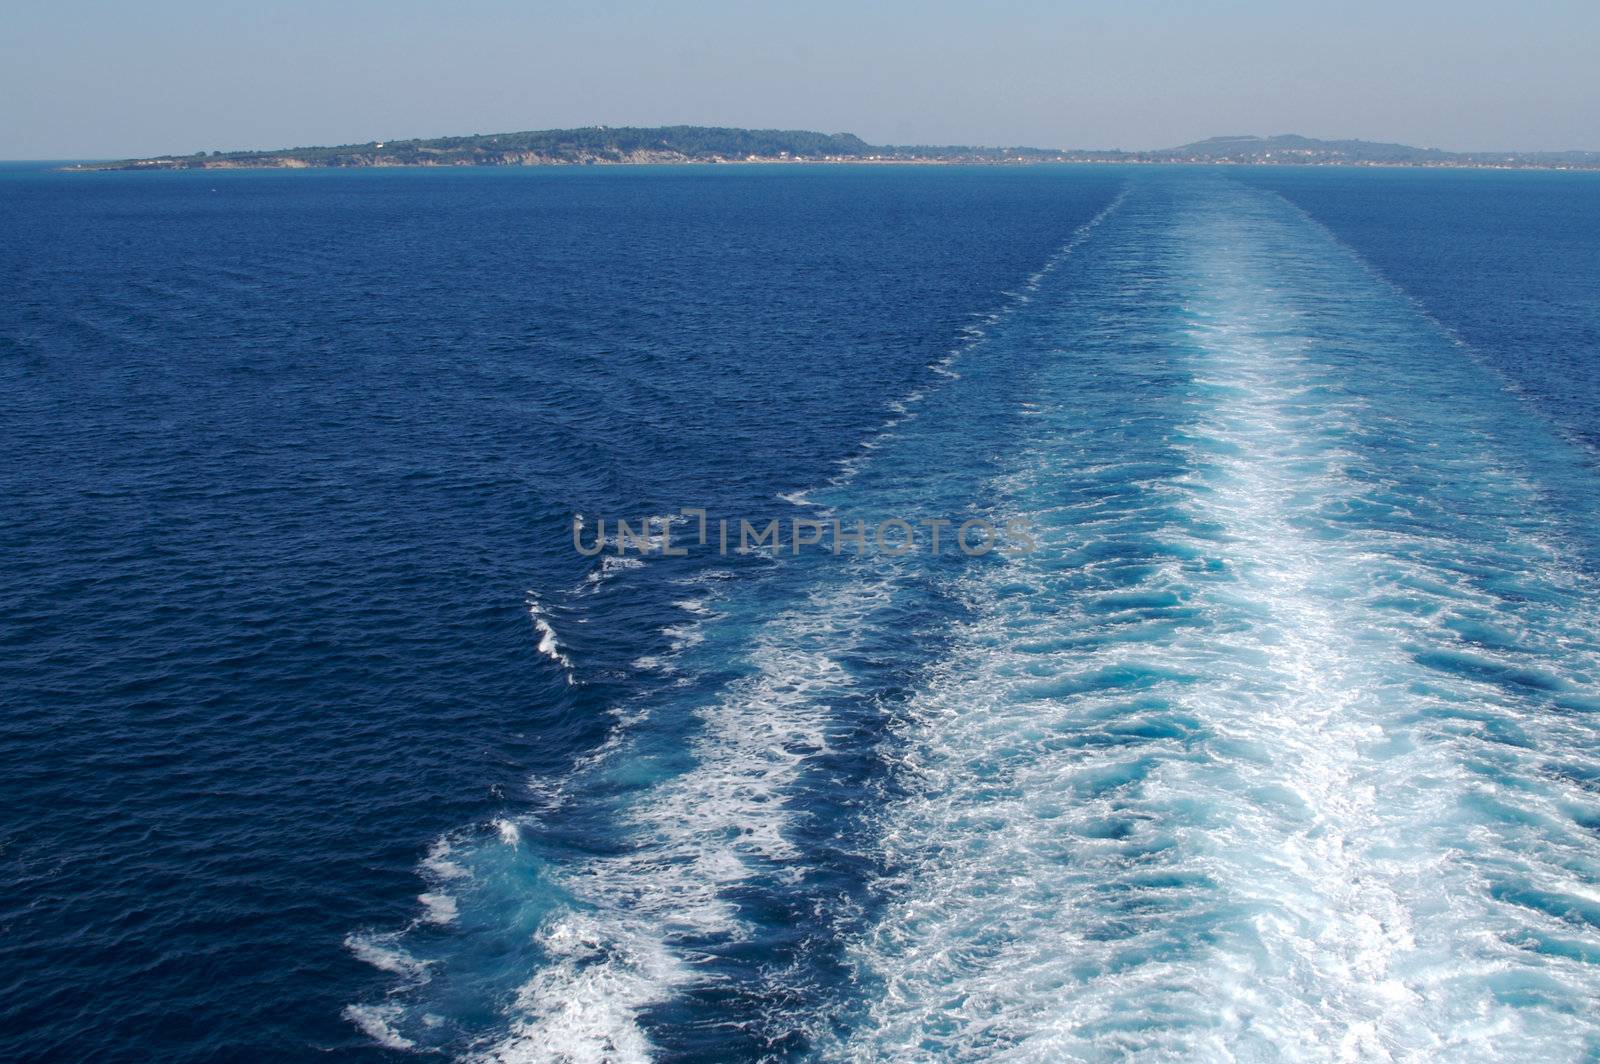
[[90, 78]]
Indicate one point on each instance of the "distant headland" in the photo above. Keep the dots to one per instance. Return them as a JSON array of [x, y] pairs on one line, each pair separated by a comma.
[[599, 145]]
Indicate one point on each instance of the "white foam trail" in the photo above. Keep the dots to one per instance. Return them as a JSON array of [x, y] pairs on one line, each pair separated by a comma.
[[1201, 815], [701, 834], [698, 835]]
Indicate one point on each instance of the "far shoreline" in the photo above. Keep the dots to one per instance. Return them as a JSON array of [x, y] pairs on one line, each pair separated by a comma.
[[300, 165], [730, 146]]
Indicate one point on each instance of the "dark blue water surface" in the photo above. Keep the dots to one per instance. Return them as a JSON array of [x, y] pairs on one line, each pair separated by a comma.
[[1506, 260], [285, 454], [321, 739]]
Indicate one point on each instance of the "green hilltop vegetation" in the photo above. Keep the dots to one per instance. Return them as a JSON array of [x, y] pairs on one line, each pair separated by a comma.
[[594, 144], [715, 144]]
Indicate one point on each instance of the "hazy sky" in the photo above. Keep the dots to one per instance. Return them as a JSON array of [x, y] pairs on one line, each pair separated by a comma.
[[86, 78]]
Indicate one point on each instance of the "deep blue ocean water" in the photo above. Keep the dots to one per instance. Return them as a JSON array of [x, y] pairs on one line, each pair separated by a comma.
[[322, 740]]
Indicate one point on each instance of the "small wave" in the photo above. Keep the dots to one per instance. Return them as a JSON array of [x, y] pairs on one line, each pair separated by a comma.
[[584, 1004], [439, 863], [438, 908], [508, 831], [613, 564], [377, 1023], [549, 645], [384, 953]]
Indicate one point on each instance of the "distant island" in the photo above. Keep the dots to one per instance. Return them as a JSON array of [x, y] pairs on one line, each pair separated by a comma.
[[597, 145]]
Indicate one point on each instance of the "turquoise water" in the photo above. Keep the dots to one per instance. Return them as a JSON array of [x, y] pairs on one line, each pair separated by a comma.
[[1279, 743]]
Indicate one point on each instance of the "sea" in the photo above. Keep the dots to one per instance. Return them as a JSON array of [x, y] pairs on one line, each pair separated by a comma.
[[399, 659]]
